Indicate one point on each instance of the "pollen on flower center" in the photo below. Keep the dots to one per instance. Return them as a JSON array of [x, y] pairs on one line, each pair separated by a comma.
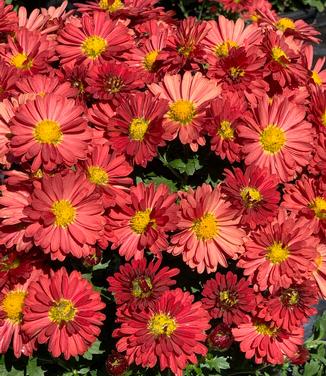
[[112, 7], [21, 61], [206, 227], [222, 49], [142, 287], [138, 128], [290, 297], [162, 324], [277, 253], [225, 131], [141, 220], [47, 132], [250, 196], [279, 56], [97, 175], [236, 72], [113, 84], [186, 50], [62, 311], [318, 261], [227, 299], [318, 81], [285, 23], [64, 213], [272, 139], [318, 205], [150, 60], [182, 111], [93, 46], [13, 304], [265, 329]]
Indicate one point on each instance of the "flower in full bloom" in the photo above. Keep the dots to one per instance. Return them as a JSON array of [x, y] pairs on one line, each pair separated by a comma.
[[253, 193], [171, 332], [277, 137], [226, 297], [220, 338], [208, 231], [266, 342], [66, 216], [138, 285], [188, 98], [49, 131], [144, 222], [62, 310]]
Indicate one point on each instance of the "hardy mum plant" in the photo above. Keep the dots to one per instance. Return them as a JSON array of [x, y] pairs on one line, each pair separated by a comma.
[[163, 191]]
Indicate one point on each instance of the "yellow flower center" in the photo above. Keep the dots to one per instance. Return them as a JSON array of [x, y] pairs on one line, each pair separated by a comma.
[[279, 56], [113, 7], [318, 205], [64, 213], [62, 311], [272, 139], [277, 253], [141, 220], [182, 111], [5, 265], [21, 61], [250, 196], [227, 299], [285, 23], [318, 261], [290, 297], [323, 119], [150, 60], [93, 46], [13, 304], [236, 72], [186, 50], [138, 128], [47, 132], [38, 174], [142, 287], [97, 175], [206, 227], [265, 329], [225, 131], [317, 80], [162, 324], [113, 84], [222, 49]]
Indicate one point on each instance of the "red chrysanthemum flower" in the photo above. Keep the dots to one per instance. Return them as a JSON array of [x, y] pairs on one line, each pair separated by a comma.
[[171, 332], [188, 98], [63, 311], [143, 222], [226, 297], [318, 109], [136, 129], [49, 131], [108, 172], [8, 18], [290, 307], [98, 39], [111, 81], [236, 6], [138, 285], [8, 80], [76, 75], [208, 230], [301, 357], [66, 215], [223, 117], [220, 338], [307, 198], [253, 193], [116, 364], [316, 72], [281, 253], [319, 273], [318, 163], [266, 342], [277, 137]]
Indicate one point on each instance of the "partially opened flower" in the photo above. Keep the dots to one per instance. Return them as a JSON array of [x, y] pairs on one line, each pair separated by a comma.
[[63, 311]]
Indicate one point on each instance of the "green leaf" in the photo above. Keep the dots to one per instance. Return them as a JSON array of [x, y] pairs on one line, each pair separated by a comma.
[[33, 369], [12, 372], [93, 350], [157, 180], [179, 165], [216, 363], [311, 368], [101, 266]]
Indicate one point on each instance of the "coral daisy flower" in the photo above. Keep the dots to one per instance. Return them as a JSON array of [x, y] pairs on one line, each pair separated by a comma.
[[319, 273], [281, 253], [143, 222], [171, 332], [66, 215], [253, 193], [277, 137], [49, 131], [99, 38], [138, 285], [226, 297], [223, 116], [291, 307], [108, 171], [267, 343], [188, 98], [307, 197], [136, 129], [63, 310], [208, 230], [316, 71]]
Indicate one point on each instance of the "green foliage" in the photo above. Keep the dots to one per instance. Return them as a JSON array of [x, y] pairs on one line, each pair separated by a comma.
[[211, 365]]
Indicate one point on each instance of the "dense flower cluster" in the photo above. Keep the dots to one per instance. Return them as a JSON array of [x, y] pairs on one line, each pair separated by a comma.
[[92, 101]]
